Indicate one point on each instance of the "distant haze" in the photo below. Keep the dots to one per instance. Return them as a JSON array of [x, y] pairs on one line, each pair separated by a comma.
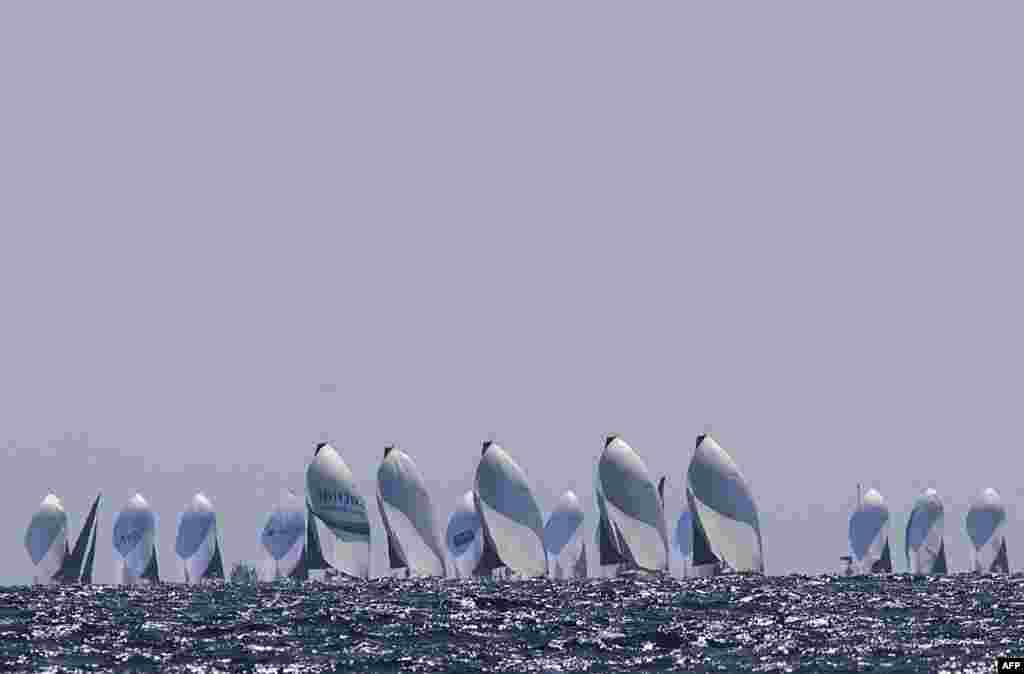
[[230, 230]]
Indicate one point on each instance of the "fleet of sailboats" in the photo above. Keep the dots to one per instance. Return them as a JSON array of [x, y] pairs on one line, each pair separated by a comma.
[[498, 529]]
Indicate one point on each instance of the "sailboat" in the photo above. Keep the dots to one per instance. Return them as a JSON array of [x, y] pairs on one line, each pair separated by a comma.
[[563, 539], [630, 508], [47, 544], [284, 539], [135, 542], [512, 524], [197, 543], [986, 522], [335, 501], [408, 516], [464, 537], [869, 535], [924, 544], [726, 527]]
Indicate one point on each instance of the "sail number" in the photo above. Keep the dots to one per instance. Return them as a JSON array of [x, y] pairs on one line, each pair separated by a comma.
[[336, 500], [463, 537]]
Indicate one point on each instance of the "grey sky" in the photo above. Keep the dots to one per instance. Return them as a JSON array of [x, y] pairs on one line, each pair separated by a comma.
[[795, 221]]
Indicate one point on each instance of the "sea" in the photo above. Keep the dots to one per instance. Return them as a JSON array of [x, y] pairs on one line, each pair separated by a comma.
[[730, 623]]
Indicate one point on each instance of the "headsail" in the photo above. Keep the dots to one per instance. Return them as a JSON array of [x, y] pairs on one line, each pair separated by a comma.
[[924, 545], [284, 540], [335, 501], [632, 506], [135, 542], [512, 523], [563, 539], [726, 527], [197, 544], [683, 539], [986, 525], [464, 537], [46, 540], [869, 534], [408, 516]]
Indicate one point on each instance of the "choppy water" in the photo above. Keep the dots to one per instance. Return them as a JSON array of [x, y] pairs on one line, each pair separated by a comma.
[[729, 623]]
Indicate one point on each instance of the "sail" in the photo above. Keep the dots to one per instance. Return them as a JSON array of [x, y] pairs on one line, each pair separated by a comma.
[[135, 542], [633, 506], [283, 540], [197, 544], [464, 537], [726, 527], [923, 543], [986, 525], [408, 516], [314, 559], [683, 539], [76, 567], [609, 547], [512, 523], [563, 539], [869, 534], [335, 501], [46, 539]]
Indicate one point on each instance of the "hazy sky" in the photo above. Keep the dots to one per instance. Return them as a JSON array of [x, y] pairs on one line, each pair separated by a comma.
[[798, 222]]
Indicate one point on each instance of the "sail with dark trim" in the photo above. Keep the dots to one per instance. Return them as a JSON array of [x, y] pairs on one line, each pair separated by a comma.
[[869, 534], [336, 501], [197, 541], [46, 540], [924, 544], [408, 516], [726, 526]]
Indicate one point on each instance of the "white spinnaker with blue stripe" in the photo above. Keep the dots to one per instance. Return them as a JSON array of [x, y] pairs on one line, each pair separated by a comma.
[[336, 501]]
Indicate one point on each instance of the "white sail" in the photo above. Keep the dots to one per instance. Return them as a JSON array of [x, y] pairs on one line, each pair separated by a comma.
[[869, 534], [924, 544], [46, 540], [335, 501], [563, 539], [683, 541], [465, 537], [135, 542], [408, 516], [511, 518], [986, 524], [283, 539], [726, 528], [632, 506], [197, 544]]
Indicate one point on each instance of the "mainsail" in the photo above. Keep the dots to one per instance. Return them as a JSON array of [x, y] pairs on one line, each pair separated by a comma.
[[284, 540], [135, 542], [986, 524], [197, 543], [869, 534], [726, 528], [924, 544], [563, 539], [408, 516], [464, 537], [334, 499], [631, 508], [512, 523]]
